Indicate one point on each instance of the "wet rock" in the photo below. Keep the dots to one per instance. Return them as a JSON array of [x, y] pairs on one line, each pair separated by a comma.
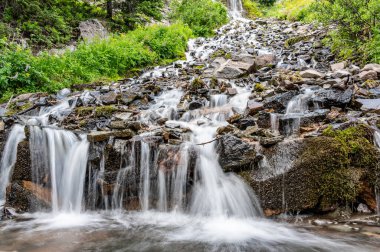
[[231, 91], [91, 29], [280, 101], [22, 169], [98, 136], [270, 141], [312, 74], [135, 125], [328, 98], [234, 154], [368, 75], [264, 119], [195, 105], [254, 107], [63, 93], [26, 196], [225, 129]]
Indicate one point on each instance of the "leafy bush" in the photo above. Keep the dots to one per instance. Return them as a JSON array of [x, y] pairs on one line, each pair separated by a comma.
[[252, 9], [110, 58], [202, 16], [291, 9], [358, 26]]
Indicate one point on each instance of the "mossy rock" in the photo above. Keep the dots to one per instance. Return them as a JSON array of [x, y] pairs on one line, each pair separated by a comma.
[[294, 40], [105, 111], [331, 171]]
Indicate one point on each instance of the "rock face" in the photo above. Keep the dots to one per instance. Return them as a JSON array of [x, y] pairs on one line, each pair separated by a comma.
[[328, 98], [91, 29], [234, 154], [323, 174]]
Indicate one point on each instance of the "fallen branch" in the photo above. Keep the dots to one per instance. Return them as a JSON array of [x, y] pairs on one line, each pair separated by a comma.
[[216, 138]]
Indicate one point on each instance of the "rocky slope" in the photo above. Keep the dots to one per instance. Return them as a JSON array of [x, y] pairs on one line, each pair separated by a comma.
[[305, 141]]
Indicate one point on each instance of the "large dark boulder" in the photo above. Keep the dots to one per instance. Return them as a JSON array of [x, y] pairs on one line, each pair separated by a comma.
[[327, 98], [235, 154], [329, 171]]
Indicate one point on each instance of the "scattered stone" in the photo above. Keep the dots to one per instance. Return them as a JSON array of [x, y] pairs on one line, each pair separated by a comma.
[[312, 74], [338, 66], [368, 75], [254, 107]]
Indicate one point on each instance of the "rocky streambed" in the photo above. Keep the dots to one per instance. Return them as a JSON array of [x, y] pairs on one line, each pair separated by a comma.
[[259, 120]]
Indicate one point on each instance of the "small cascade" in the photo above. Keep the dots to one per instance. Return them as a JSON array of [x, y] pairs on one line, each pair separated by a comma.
[[9, 157], [59, 161], [296, 109], [235, 8], [377, 187]]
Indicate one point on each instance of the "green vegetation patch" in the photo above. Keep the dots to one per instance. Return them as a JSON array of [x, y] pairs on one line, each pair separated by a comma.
[[111, 58], [202, 16]]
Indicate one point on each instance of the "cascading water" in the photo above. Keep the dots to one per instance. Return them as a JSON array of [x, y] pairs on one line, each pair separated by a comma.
[[9, 157], [235, 8]]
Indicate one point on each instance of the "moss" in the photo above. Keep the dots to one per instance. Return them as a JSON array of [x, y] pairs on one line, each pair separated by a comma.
[[221, 53], [13, 108], [197, 83], [291, 41], [259, 87], [252, 9], [199, 67], [214, 82], [105, 111], [84, 111]]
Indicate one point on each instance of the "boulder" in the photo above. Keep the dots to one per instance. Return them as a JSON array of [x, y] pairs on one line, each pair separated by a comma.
[[109, 98], [312, 74], [231, 69], [338, 66], [261, 61], [372, 67], [253, 107], [327, 98], [195, 105], [369, 104], [92, 29], [234, 154], [368, 75]]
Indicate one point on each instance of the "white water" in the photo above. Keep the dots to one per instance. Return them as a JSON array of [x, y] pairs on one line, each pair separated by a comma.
[[235, 8], [9, 157]]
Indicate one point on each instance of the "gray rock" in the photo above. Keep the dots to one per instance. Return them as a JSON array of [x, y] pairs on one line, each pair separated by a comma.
[[123, 116], [328, 98], [373, 67], [368, 75], [254, 107], [109, 98], [312, 74], [231, 69], [265, 60], [231, 91], [338, 66], [234, 154], [270, 141], [128, 97], [369, 104], [63, 93], [195, 105], [92, 29], [280, 101]]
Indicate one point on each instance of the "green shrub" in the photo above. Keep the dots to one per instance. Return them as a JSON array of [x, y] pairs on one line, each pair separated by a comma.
[[202, 16], [109, 58], [252, 8], [291, 9], [358, 26]]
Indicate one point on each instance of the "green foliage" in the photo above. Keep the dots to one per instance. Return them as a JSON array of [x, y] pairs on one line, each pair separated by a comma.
[[252, 8], [358, 26], [134, 13], [44, 23], [291, 9], [110, 58], [202, 16]]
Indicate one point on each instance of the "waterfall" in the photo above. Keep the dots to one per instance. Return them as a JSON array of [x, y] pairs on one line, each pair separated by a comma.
[[377, 187], [235, 8], [9, 158], [59, 159]]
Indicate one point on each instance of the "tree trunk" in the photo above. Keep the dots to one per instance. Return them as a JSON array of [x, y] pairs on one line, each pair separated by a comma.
[[109, 9]]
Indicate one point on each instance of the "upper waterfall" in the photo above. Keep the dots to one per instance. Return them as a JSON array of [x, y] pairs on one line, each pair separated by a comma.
[[235, 8]]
